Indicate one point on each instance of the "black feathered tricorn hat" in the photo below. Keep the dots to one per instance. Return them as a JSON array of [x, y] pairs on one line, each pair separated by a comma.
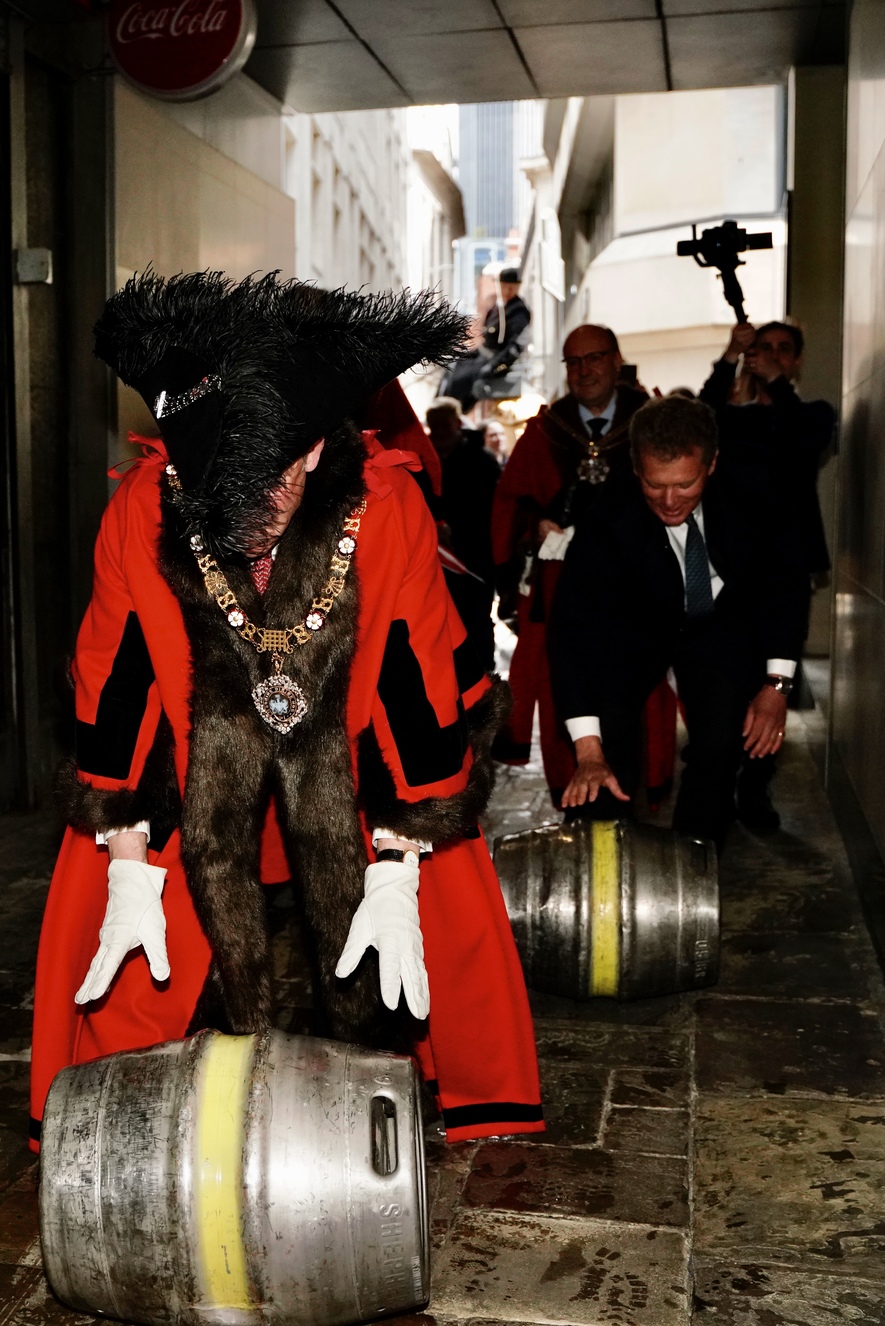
[[244, 377]]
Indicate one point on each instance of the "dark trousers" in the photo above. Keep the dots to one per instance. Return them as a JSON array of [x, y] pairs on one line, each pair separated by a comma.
[[717, 678]]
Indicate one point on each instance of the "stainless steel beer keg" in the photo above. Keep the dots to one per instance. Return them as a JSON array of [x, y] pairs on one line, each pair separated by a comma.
[[611, 908], [236, 1179]]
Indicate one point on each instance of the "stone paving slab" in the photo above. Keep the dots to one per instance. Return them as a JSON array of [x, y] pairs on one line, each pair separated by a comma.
[[536, 1269], [647, 1132], [574, 1098], [661, 1087], [749, 1295], [792, 1183], [612, 1046], [26, 1300], [796, 902], [19, 1225], [792, 1047], [796, 966], [642, 1189], [673, 1011]]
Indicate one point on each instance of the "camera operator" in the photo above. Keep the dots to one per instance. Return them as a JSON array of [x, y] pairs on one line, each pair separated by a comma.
[[763, 422]]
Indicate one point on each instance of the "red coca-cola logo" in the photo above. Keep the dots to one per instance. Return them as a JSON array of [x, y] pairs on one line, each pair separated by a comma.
[[180, 50]]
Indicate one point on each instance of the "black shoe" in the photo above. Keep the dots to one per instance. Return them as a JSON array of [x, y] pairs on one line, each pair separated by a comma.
[[758, 814]]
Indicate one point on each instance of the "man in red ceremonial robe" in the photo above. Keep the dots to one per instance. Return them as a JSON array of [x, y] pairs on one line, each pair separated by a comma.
[[572, 456], [271, 681]]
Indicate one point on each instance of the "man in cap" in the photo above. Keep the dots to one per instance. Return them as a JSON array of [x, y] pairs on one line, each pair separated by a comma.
[[271, 682], [504, 337]]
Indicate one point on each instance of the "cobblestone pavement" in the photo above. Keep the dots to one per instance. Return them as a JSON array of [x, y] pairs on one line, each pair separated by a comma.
[[711, 1158]]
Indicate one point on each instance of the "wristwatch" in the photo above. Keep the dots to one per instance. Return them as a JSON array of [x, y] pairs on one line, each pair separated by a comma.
[[783, 685], [403, 856]]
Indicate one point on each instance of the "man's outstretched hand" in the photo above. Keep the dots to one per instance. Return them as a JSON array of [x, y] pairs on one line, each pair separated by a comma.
[[765, 722], [592, 774]]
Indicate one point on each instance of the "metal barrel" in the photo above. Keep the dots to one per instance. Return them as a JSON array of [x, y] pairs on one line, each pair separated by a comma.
[[237, 1179], [611, 908]]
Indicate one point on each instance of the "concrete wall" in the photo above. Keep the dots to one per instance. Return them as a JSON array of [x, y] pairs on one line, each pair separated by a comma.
[[859, 637], [238, 184], [184, 206], [814, 276]]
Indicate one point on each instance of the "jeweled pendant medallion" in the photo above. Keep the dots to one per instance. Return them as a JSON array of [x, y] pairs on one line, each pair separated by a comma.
[[280, 701], [594, 469]]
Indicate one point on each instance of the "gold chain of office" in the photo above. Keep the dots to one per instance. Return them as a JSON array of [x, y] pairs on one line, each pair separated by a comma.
[[263, 639]]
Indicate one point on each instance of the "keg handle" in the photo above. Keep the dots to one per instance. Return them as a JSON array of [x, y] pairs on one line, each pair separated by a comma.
[[384, 1139]]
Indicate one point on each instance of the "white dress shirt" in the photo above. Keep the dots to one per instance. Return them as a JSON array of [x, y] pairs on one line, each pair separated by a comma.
[[588, 724], [607, 414], [555, 546]]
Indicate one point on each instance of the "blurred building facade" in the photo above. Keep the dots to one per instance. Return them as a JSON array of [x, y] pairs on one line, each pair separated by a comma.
[[494, 139], [618, 183]]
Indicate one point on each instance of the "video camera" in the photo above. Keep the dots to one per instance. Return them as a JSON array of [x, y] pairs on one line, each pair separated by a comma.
[[719, 247]]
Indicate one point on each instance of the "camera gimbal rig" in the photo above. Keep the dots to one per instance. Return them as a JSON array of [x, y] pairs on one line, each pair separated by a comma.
[[719, 247]]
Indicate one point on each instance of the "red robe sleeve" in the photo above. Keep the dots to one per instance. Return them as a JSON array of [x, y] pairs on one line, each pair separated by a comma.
[[528, 484], [117, 705]]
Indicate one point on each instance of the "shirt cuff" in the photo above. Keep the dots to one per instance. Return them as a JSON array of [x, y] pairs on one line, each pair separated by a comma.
[[143, 826], [583, 727], [391, 833], [781, 667]]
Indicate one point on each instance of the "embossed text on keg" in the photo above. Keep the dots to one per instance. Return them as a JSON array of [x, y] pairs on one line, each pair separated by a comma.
[[394, 1271], [701, 958]]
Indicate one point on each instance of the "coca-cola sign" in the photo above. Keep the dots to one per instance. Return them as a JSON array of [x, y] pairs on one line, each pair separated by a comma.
[[182, 50]]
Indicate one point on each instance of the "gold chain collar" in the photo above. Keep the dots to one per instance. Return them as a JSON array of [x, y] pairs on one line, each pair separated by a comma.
[[263, 639], [613, 438]]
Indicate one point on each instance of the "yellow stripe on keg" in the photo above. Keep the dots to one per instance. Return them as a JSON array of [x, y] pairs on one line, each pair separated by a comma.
[[605, 910], [224, 1085]]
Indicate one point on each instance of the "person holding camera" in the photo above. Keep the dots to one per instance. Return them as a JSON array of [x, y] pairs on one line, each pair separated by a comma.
[[763, 422]]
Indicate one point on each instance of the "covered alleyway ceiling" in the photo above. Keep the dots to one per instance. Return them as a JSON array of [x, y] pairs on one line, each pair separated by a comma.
[[321, 55]]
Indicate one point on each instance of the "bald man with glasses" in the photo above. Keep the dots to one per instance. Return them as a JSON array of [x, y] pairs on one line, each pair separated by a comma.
[[572, 456]]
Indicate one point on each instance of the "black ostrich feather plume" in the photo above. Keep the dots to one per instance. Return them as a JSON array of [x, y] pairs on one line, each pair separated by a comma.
[[294, 363]]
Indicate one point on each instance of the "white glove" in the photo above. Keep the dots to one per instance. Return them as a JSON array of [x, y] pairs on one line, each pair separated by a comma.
[[555, 546], [134, 917], [388, 918]]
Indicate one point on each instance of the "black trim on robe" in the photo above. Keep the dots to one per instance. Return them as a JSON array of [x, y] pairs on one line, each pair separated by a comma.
[[496, 1111], [428, 753], [106, 747], [469, 670]]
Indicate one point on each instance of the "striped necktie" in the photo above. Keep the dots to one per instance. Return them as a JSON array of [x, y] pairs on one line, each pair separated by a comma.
[[698, 590], [261, 569]]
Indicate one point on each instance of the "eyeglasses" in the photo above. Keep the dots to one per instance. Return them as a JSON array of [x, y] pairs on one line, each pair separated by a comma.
[[593, 358]]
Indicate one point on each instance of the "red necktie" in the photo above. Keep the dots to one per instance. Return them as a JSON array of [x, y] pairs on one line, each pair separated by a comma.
[[261, 569]]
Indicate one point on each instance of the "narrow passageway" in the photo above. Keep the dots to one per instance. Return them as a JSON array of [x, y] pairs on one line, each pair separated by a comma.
[[714, 1157]]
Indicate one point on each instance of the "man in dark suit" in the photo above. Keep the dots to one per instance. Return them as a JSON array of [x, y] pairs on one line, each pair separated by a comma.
[[571, 454], [689, 570], [469, 476]]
